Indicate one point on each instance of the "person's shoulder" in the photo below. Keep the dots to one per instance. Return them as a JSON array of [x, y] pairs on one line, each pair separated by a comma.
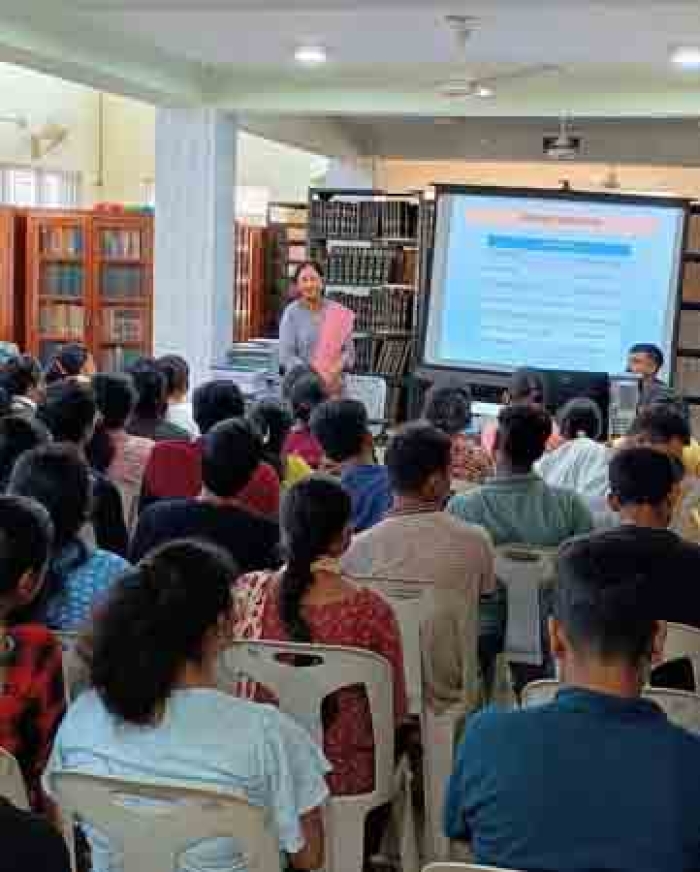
[[167, 508], [464, 503], [34, 636], [496, 725], [462, 530], [108, 561], [373, 604]]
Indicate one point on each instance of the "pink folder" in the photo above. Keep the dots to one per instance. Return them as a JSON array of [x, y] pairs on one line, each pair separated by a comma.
[[336, 328]]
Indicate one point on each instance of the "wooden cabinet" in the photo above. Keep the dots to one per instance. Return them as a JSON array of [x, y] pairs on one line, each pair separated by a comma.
[[89, 278], [11, 275]]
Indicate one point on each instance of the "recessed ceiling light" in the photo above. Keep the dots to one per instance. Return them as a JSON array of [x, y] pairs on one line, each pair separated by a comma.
[[484, 92], [686, 56], [310, 55]]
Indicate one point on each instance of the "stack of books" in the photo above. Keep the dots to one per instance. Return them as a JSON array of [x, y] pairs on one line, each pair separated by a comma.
[[61, 241], [123, 325], [359, 266], [367, 219], [62, 319], [121, 244], [122, 282], [62, 280]]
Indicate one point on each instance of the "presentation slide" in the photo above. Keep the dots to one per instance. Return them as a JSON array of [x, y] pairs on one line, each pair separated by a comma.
[[549, 282]]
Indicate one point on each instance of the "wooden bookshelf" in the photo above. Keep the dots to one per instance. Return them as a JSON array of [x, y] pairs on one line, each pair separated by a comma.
[[89, 278], [687, 363], [248, 282], [286, 244], [369, 245], [11, 275], [122, 289]]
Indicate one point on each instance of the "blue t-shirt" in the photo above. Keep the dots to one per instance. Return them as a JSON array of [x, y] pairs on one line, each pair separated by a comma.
[[370, 492], [589, 782], [204, 738], [86, 576]]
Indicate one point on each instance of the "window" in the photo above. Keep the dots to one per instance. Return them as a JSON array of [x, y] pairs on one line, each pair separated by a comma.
[[34, 186]]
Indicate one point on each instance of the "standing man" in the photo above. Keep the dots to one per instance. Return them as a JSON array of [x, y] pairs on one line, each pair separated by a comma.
[[646, 360]]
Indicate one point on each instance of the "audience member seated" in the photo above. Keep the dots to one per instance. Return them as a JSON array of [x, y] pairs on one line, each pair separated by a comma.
[[526, 388], [517, 506], [664, 428], [305, 391], [177, 379], [18, 433], [342, 428], [418, 541], [274, 424], [23, 380], [69, 410], [78, 575], [32, 701], [148, 418], [30, 842], [581, 461], [643, 487], [449, 409], [175, 468], [113, 451], [154, 712], [599, 778], [231, 452], [72, 361], [310, 600]]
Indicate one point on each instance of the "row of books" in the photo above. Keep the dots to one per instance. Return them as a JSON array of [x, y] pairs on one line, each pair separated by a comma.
[[359, 266], [62, 319], [119, 359], [389, 356], [123, 325], [57, 241], [122, 282], [687, 380], [689, 330], [366, 219], [62, 280], [121, 243], [380, 309], [693, 241]]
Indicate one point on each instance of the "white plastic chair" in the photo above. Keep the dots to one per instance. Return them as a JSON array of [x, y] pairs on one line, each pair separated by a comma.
[[151, 836], [371, 391], [407, 599], [301, 691], [681, 707], [12, 786], [462, 867], [439, 737], [683, 641]]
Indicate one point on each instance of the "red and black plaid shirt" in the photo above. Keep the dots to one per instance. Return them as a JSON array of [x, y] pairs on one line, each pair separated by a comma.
[[32, 702]]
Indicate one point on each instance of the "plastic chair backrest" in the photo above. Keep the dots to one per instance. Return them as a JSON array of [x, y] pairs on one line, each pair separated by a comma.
[[152, 835], [300, 691], [539, 693], [683, 641], [371, 391], [439, 736], [682, 708], [463, 867], [409, 602], [525, 570], [12, 786]]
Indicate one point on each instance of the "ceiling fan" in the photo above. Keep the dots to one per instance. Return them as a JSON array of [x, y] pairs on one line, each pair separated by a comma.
[[42, 140], [463, 84]]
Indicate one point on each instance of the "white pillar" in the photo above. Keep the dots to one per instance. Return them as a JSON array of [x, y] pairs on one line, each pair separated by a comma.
[[195, 178]]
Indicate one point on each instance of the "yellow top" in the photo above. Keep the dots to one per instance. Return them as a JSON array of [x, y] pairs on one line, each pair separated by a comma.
[[295, 469]]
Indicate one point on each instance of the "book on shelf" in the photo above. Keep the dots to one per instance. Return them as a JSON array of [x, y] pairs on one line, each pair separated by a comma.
[[62, 319], [123, 325], [380, 309], [688, 376], [359, 266], [61, 280], [59, 241], [689, 330], [118, 359], [691, 282], [121, 243], [364, 219], [121, 281], [693, 241]]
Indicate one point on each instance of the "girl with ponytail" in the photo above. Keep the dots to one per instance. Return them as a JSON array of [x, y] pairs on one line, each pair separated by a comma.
[[312, 600], [154, 710]]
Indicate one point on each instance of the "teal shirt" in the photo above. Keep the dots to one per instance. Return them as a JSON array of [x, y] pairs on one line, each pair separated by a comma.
[[588, 782], [524, 509]]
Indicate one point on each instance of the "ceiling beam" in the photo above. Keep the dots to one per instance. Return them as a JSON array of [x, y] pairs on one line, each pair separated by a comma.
[[38, 35]]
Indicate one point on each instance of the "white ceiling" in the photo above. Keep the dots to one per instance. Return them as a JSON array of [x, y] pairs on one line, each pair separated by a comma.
[[386, 56]]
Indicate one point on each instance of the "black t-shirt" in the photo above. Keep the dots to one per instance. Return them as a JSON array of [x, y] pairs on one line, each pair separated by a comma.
[[108, 515], [251, 540], [30, 843]]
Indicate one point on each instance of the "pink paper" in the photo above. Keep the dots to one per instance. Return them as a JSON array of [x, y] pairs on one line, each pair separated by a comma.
[[336, 328]]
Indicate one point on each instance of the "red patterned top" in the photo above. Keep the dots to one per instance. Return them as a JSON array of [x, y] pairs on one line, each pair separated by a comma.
[[362, 620]]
